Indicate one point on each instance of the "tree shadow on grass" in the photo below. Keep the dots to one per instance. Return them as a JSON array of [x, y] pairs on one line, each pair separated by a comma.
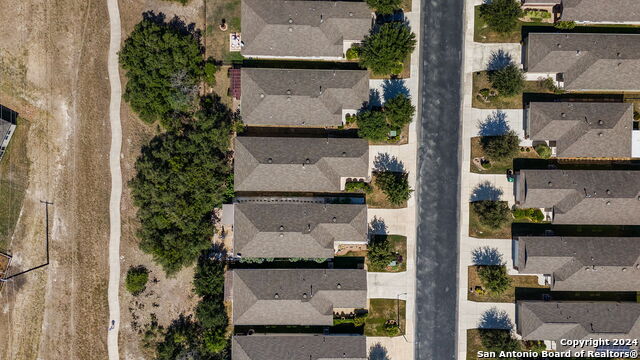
[[495, 319], [487, 256], [499, 60], [378, 352], [394, 87], [494, 125], [386, 162], [486, 191]]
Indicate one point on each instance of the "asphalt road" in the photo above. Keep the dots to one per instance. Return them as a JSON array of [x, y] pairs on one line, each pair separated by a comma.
[[439, 180]]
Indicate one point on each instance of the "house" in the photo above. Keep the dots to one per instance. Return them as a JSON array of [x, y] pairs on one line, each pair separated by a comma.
[[556, 320], [295, 296], [308, 347], [302, 97], [8, 122], [304, 229], [582, 129], [584, 61], [294, 164], [581, 263], [601, 12], [598, 197], [300, 29]]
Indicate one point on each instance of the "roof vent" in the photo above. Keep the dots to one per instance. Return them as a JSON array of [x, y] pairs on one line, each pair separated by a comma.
[[261, 95], [290, 21], [308, 227], [350, 13], [334, 219], [269, 160], [290, 29], [304, 295], [339, 286], [550, 183], [608, 192], [618, 54], [577, 52], [600, 133], [281, 235], [276, 296], [281, 227], [321, 19], [564, 115], [288, 91], [307, 161], [608, 202], [624, 269], [558, 45], [344, 153]]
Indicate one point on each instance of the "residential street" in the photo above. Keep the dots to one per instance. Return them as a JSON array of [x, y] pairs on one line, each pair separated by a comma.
[[438, 180]]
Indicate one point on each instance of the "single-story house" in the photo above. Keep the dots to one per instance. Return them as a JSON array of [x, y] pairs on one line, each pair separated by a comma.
[[293, 164], [8, 122], [302, 97], [295, 296], [299, 29], [584, 61], [303, 347], [598, 197], [581, 263], [582, 129], [285, 229], [570, 320]]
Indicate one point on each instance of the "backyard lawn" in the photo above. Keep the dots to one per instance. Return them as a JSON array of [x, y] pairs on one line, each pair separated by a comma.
[[509, 296], [216, 40], [14, 178], [496, 166], [378, 199], [399, 246], [481, 81], [381, 311]]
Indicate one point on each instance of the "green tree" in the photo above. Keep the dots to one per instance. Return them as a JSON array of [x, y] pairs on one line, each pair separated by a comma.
[[384, 7], [379, 253], [136, 280], [385, 49], [498, 340], [494, 278], [208, 279], [399, 111], [493, 214], [180, 340], [372, 125], [508, 81], [502, 146], [395, 185], [543, 150], [181, 178], [211, 313], [164, 65], [501, 15], [210, 70]]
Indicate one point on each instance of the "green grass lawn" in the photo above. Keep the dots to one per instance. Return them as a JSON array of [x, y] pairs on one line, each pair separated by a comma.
[[216, 40], [497, 166], [481, 81], [14, 179], [399, 245], [381, 310], [378, 199], [477, 230], [474, 344], [509, 296]]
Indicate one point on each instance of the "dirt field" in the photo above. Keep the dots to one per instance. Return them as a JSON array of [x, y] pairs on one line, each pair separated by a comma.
[[53, 72]]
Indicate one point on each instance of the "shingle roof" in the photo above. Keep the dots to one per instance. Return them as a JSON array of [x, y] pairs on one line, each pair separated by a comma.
[[583, 263], [8, 118], [609, 11], [298, 164], [295, 296], [306, 230], [555, 320], [301, 97], [587, 61], [598, 197], [294, 347], [583, 129], [294, 28]]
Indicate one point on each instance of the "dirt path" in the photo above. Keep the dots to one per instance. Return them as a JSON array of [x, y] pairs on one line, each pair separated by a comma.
[[116, 180]]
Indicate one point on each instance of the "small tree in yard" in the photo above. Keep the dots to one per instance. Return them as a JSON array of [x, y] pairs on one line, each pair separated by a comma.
[[501, 15], [136, 280], [493, 214], [384, 7], [502, 146], [494, 278], [399, 111], [372, 125], [498, 340], [384, 50], [395, 185], [379, 253], [508, 81]]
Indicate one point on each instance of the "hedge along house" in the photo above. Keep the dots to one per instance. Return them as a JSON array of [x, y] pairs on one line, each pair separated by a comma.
[[295, 296], [8, 123], [581, 263], [267, 228], [302, 97], [299, 29], [314, 347], [598, 197], [584, 62], [588, 11], [582, 129]]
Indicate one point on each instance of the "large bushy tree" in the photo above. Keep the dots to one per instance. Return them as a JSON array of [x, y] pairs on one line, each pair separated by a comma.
[[379, 253], [501, 15], [384, 7], [399, 111], [181, 177], [494, 278], [493, 214], [395, 185], [372, 125], [508, 81], [164, 65], [498, 340], [136, 280], [501, 146], [385, 49]]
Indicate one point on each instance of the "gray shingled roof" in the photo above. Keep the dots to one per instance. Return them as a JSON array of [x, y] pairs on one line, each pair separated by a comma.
[[599, 197], [587, 61], [555, 320], [301, 97], [306, 230], [583, 263], [599, 11], [294, 28], [295, 296], [298, 164], [583, 129], [4, 128], [302, 347], [8, 118]]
